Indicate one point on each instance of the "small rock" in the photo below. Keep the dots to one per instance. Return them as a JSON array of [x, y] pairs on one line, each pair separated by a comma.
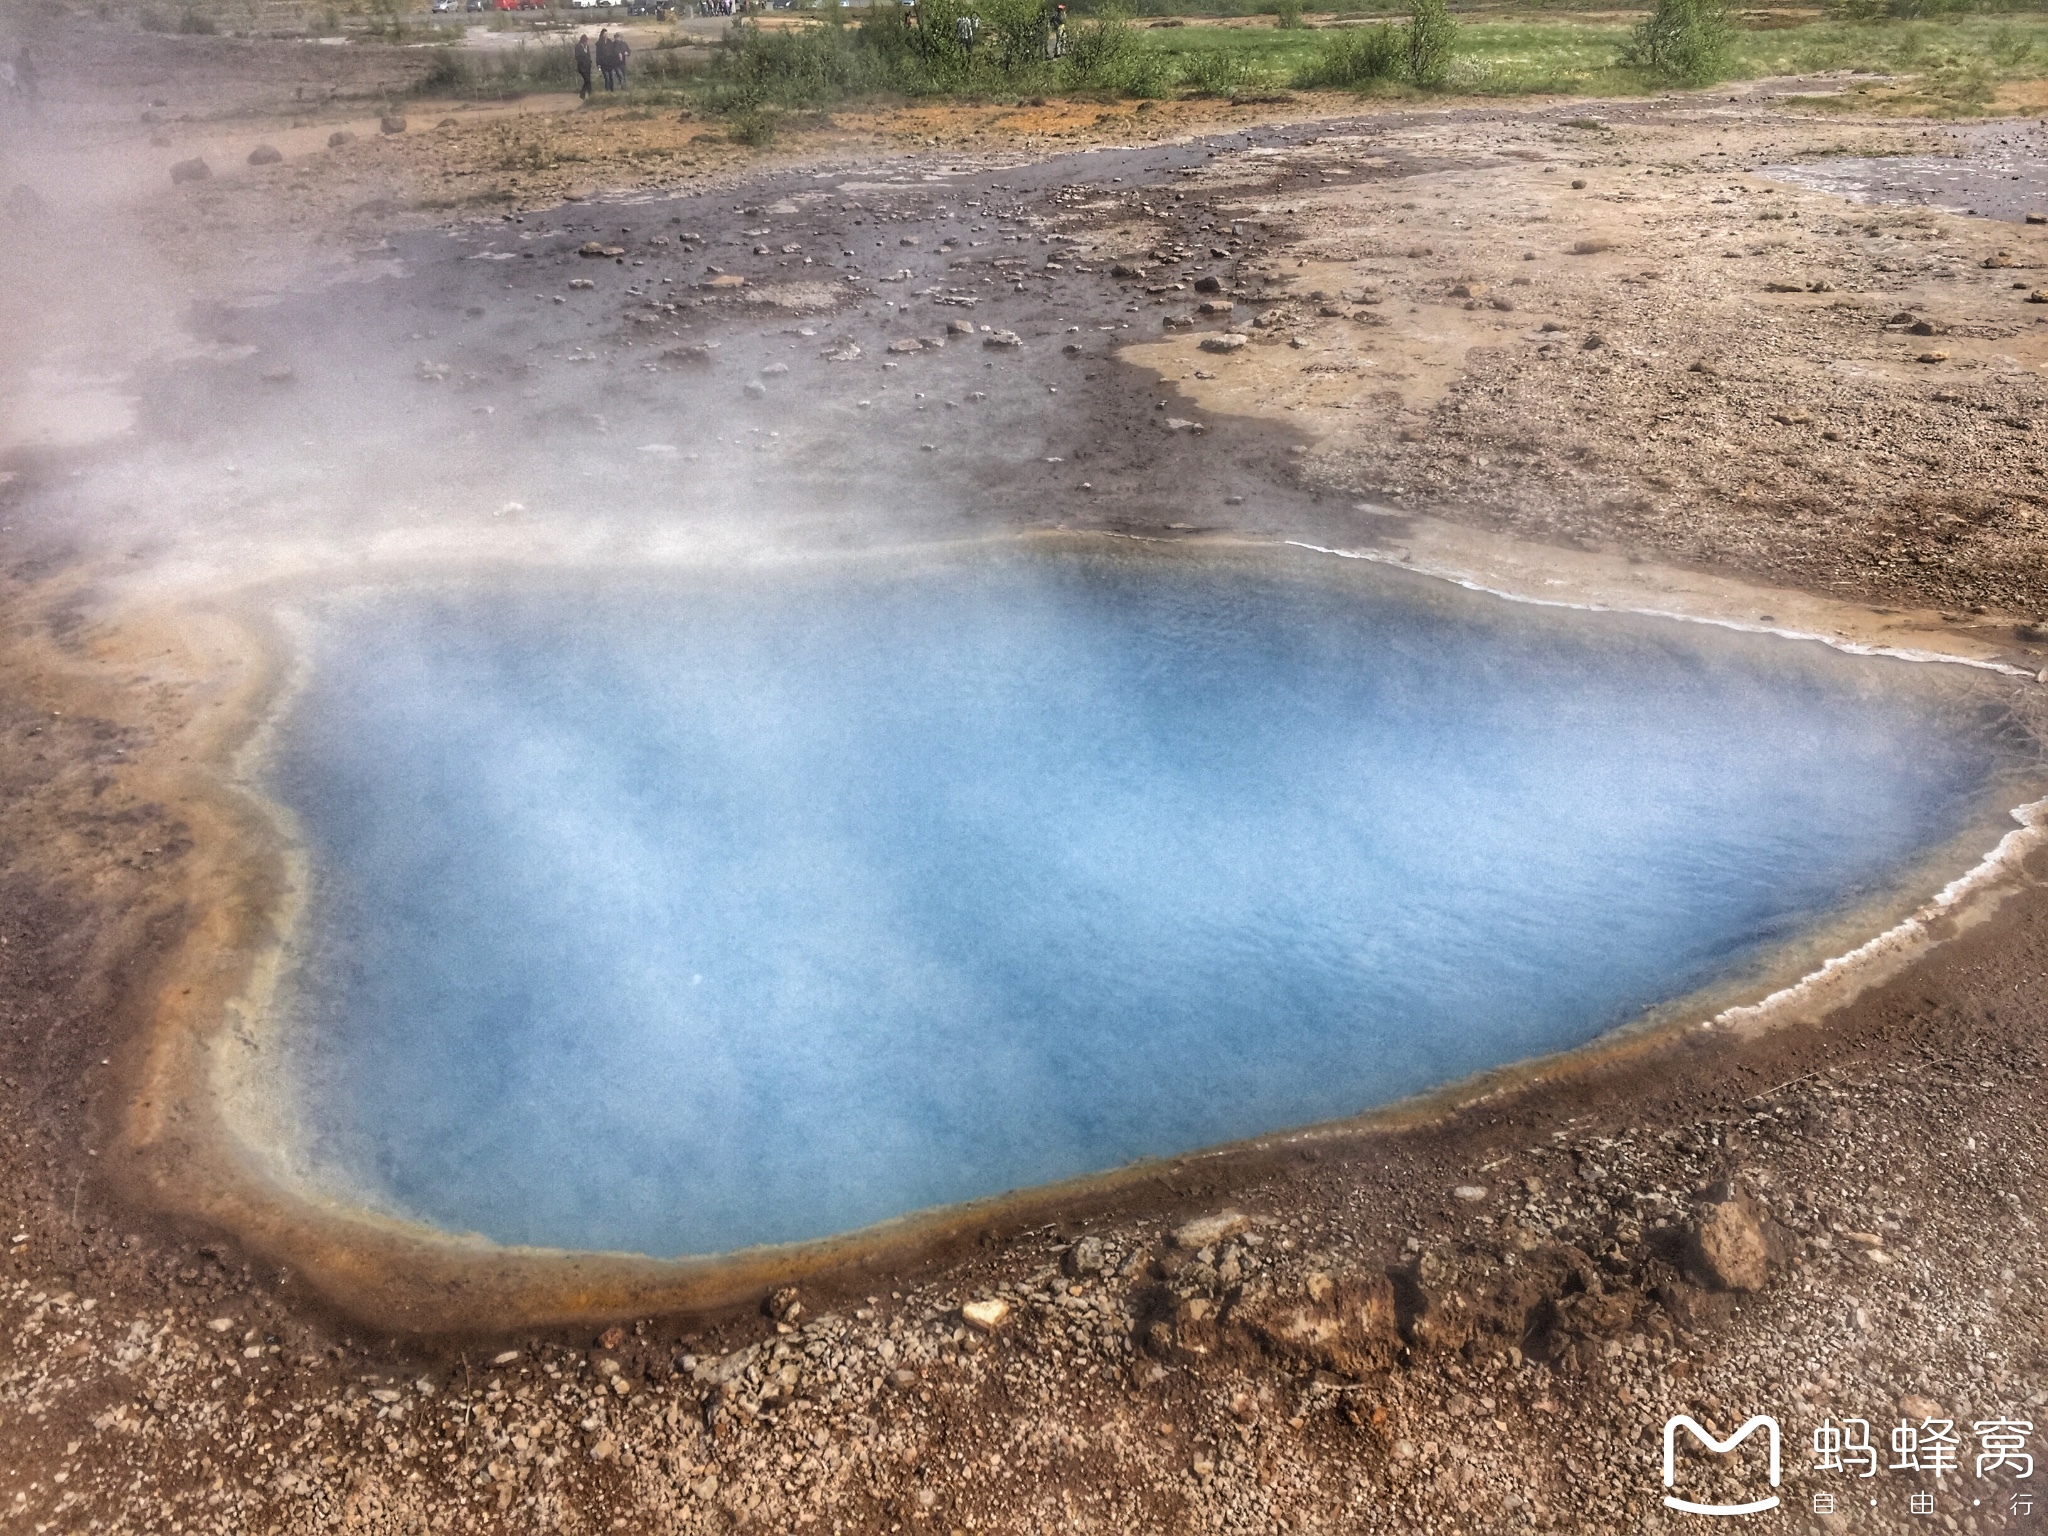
[[580, 283], [905, 344], [220, 1324], [2037, 218], [505, 1357], [959, 327], [1208, 284], [1229, 341], [1216, 306], [1728, 1249], [1084, 1258], [1914, 1406], [1002, 339], [774, 370], [986, 1315], [339, 137], [1207, 1231], [1469, 1192], [724, 280], [265, 154], [612, 1337], [391, 123], [383, 1395], [194, 169], [1181, 424], [1931, 357], [2038, 296], [845, 352], [785, 1305], [755, 389]]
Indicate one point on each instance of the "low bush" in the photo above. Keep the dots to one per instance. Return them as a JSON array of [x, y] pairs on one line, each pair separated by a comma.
[[1691, 42], [1353, 57], [1430, 36]]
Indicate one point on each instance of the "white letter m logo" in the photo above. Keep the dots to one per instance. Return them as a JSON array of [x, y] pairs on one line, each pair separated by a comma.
[[1719, 1448]]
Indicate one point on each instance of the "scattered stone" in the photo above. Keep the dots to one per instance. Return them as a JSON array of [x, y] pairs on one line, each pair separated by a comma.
[[505, 1357], [1591, 247], [1469, 1192], [987, 1315], [599, 248], [391, 123], [1216, 306], [1228, 341], [194, 169], [1002, 339], [1931, 357], [433, 373], [1180, 424], [1125, 270], [754, 389], [265, 154], [844, 352], [1208, 284], [339, 137], [1085, 1257], [1208, 1231], [581, 283], [2038, 296], [1728, 1250], [906, 344], [1177, 322], [2037, 218], [785, 1304], [724, 280], [1578, 183], [959, 327]]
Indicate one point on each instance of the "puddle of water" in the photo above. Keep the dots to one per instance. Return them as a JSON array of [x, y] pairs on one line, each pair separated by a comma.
[[680, 920], [2002, 175]]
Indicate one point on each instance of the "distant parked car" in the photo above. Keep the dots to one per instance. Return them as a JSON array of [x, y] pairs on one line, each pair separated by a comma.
[[444, 5]]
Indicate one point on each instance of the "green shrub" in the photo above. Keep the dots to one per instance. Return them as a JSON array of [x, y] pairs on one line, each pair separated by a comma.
[[1287, 15], [753, 128], [1688, 41], [1351, 57], [1107, 54], [1217, 72], [1431, 35]]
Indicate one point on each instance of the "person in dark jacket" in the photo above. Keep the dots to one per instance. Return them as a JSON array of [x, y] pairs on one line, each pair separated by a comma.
[[621, 52], [583, 62], [607, 57]]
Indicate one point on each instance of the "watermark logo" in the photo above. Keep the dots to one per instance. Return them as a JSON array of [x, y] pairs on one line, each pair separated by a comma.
[[1680, 1421]]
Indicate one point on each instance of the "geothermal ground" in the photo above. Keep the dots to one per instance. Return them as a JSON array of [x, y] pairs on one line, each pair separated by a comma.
[[1634, 353]]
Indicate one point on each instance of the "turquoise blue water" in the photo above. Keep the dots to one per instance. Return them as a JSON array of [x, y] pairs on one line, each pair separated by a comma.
[[761, 909]]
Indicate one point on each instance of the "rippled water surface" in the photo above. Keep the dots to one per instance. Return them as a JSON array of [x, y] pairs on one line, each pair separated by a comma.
[[765, 907]]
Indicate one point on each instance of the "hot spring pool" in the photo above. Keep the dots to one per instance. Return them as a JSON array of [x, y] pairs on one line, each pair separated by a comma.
[[763, 907]]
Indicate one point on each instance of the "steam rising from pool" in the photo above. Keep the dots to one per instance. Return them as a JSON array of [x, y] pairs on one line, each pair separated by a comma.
[[764, 908]]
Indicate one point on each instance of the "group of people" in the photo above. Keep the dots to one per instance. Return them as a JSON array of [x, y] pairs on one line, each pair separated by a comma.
[[721, 7], [609, 55]]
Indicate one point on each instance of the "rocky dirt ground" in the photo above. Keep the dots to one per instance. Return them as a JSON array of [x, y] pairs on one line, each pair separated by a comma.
[[1593, 326]]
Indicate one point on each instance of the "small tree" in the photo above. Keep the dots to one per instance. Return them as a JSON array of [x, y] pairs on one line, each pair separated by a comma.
[[1689, 41], [1431, 36], [1287, 15]]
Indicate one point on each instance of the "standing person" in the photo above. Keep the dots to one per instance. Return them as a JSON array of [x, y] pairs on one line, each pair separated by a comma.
[[583, 62], [621, 51], [605, 54], [963, 32]]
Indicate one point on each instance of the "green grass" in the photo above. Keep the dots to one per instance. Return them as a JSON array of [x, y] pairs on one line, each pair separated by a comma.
[[1951, 65]]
